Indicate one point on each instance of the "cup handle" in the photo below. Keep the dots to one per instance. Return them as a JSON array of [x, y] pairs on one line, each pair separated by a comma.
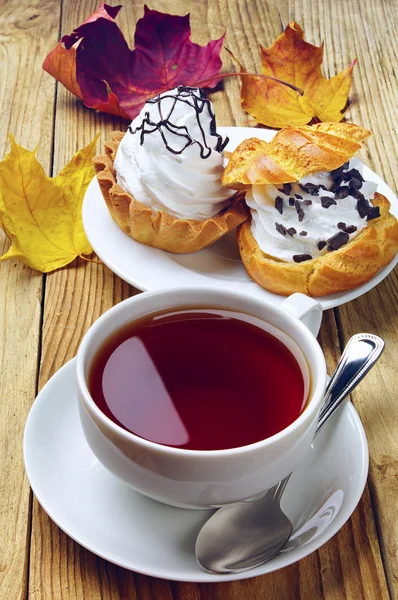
[[308, 310]]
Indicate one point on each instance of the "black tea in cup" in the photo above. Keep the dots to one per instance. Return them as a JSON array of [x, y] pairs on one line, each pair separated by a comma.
[[201, 379]]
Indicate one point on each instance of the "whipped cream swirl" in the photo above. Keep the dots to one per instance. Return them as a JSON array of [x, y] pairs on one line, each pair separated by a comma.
[[170, 159], [295, 222]]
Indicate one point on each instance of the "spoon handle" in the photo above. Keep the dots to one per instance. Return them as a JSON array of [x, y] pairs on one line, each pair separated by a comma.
[[359, 356]]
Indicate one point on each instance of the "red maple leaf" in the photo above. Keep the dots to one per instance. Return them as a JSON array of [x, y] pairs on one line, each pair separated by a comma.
[[96, 64]]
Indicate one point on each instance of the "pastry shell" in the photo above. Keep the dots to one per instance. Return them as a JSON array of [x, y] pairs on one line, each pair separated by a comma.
[[293, 153], [157, 228], [343, 269]]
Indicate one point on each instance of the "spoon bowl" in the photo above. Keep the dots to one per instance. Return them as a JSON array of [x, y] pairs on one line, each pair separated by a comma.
[[244, 535], [244, 520]]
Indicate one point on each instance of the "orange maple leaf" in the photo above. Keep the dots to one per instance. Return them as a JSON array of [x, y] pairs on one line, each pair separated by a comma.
[[96, 64], [61, 64], [295, 61]]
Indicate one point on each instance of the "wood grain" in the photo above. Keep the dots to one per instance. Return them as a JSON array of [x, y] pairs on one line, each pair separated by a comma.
[[42, 563], [375, 107], [28, 30]]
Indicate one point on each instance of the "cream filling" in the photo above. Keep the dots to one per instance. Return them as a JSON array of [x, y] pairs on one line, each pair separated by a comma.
[[321, 216], [179, 182]]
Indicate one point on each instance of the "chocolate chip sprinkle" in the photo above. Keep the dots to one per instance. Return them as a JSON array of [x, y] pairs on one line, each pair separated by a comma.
[[321, 245], [303, 233], [291, 201], [342, 192], [346, 228], [354, 177], [336, 183], [337, 240], [292, 231], [298, 258], [279, 204], [286, 189], [326, 201], [307, 202], [355, 193], [363, 207], [280, 229], [298, 196], [356, 183], [299, 210], [337, 172], [356, 173], [374, 213], [343, 167], [310, 188]]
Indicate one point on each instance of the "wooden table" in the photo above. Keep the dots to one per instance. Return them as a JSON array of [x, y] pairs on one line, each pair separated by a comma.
[[43, 318]]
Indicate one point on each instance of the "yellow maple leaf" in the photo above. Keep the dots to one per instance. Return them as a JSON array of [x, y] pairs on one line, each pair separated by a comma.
[[294, 61], [41, 215]]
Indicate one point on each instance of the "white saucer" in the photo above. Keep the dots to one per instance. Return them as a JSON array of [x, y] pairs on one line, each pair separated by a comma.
[[124, 527], [151, 269]]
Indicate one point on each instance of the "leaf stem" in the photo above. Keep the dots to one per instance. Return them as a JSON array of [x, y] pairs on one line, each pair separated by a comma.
[[91, 260], [243, 74]]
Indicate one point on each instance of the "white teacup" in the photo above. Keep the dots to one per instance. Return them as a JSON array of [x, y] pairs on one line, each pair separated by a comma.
[[203, 478]]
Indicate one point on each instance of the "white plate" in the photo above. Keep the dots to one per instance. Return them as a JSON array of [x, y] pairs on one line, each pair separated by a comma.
[[151, 269], [122, 526]]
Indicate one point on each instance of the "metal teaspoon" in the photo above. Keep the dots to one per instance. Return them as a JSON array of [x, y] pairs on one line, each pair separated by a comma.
[[246, 534]]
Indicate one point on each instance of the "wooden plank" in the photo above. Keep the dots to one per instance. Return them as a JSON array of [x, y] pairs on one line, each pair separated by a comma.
[[349, 565], [375, 107], [75, 297], [28, 31], [376, 403], [361, 30]]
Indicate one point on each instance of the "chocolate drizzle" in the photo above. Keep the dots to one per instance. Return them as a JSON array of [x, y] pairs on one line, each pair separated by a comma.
[[192, 97]]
